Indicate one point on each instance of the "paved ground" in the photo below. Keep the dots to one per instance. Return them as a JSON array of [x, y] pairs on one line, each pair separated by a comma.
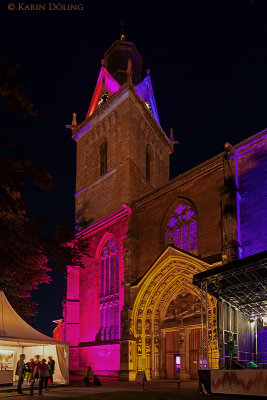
[[125, 391], [77, 388]]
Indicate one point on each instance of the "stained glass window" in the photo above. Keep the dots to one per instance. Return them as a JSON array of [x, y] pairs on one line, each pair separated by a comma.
[[102, 275], [117, 321], [182, 228], [102, 323], [109, 269], [107, 280], [112, 322], [117, 276], [107, 326], [109, 292]]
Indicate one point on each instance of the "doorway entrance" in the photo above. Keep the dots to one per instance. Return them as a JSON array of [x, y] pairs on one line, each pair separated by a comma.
[[182, 353]]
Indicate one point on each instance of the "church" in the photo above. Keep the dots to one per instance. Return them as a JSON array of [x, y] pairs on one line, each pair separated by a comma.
[[134, 306]]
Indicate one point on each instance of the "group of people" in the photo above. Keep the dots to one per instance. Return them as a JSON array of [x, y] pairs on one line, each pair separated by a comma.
[[34, 370]]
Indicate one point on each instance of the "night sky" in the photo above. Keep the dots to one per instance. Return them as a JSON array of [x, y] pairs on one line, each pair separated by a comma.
[[208, 62]]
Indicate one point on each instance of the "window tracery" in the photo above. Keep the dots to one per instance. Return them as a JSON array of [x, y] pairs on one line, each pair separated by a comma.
[[109, 292], [182, 228]]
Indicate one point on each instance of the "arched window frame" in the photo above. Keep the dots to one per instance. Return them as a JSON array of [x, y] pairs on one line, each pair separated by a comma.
[[182, 227], [103, 156], [109, 291]]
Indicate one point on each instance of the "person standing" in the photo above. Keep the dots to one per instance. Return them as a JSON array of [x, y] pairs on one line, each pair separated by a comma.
[[51, 365], [44, 375], [35, 372], [28, 371], [89, 376], [32, 364], [20, 371], [36, 364]]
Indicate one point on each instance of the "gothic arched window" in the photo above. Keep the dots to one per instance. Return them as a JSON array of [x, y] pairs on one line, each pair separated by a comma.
[[103, 158], [109, 291], [182, 228], [148, 162]]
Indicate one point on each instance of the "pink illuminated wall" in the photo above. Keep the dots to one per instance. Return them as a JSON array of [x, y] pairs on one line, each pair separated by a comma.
[[96, 305], [94, 338], [104, 360], [72, 307], [57, 332]]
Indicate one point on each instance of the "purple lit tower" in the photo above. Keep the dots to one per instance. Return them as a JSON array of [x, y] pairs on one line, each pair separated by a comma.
[[134, 307]]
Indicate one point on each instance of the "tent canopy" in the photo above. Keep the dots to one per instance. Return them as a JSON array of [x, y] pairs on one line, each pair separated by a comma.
[[12, 326], [15, 333]]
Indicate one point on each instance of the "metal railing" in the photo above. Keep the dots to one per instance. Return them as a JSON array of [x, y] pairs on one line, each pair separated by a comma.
[[209, 358]]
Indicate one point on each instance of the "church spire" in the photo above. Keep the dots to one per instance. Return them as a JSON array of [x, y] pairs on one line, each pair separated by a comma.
[[122, 31], [117, 58], [129, 72]]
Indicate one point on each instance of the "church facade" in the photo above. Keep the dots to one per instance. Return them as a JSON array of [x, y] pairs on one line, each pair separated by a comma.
[[134, 307]]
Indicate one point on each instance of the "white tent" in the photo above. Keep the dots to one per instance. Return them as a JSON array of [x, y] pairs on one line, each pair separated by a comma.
[[17, 337]]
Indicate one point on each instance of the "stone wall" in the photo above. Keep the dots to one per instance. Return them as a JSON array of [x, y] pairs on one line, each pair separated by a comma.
[[128, 131], [200, 187], [252, 183]]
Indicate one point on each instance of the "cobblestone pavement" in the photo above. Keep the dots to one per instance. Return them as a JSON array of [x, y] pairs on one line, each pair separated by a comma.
[[77, 388], [187, 391]]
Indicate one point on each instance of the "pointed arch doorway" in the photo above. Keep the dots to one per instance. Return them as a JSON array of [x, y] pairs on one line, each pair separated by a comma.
[[166, 317]]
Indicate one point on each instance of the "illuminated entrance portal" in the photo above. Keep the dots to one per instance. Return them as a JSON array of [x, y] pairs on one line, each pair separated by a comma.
[[182, 352], [166, 318]]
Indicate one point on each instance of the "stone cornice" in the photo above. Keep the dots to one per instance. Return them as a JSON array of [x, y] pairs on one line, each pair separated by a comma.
[[171, 251], [117, 98], [151, 118], [110, 219], [255, 141], [102, 112], [206, 167]]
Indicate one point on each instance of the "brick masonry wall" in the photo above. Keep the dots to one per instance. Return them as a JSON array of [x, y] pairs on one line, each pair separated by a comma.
[[202, 190], [252, 170], [104, 360], [127, 132]]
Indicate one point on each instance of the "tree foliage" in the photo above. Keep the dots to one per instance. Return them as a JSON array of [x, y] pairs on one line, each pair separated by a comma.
[[64, 248], [23, 261], [11, 93], [27, 244]]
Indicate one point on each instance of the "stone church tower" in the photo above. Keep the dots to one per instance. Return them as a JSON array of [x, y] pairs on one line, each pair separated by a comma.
[[122, 151], [122, 154], [134, 306]]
